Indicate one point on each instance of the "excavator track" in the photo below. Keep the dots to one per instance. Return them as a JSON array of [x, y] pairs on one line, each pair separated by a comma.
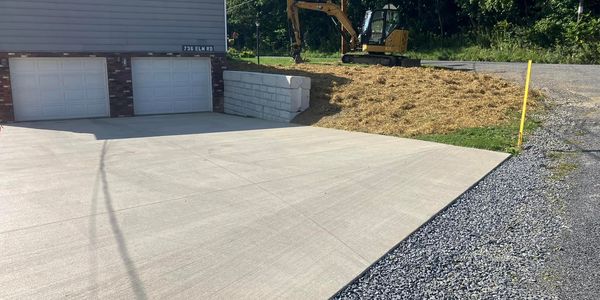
[[380, 59]]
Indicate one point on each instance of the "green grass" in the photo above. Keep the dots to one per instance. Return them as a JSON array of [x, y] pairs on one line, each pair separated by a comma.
[[562, 170], [496, 138], [506, 53], [470, 53], [562, 165]]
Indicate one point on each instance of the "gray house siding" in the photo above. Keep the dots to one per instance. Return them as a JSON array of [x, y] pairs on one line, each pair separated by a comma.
[[110, 25]]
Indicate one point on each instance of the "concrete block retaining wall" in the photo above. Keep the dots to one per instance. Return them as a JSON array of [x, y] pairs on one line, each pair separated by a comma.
[[266, 96]]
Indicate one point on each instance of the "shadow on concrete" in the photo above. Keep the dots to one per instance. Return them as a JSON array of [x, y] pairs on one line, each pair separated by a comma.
[[157, 125], [134, 279], [322, 85], [92, 247]]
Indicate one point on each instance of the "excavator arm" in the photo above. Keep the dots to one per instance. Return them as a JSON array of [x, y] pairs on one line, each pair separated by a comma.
[[330, 8]]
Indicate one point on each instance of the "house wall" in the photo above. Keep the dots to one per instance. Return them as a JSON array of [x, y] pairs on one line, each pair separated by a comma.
[[6, 104], [119, 78], [111, 25], [115, 29]]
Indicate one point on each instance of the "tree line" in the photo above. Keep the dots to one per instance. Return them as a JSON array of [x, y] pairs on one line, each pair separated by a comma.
[[536, 24]]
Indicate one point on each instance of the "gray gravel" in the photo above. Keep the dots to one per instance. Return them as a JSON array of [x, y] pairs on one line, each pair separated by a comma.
[[577, 264], [513, 235]]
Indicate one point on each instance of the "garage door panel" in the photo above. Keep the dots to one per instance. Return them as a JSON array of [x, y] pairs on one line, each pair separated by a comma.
[[33, 112], [59, 88], [143, 68], [171, 85], [184, 91], [94, 79], [181, 77], [198, 77], [95, 94], [164, 93], [73, 65], [97, 64], [23, 66], [161, 77], [76, 109], [183, 65], [72, 81], [53, 97], [143, 92], [156, 107], [23, 81], [93, 108], [49, 81], [181, 84], [198, 92], [54, 110], [200, 65], [161, 64], [74, 96], [144, 84], [29, 98], [48, 65]]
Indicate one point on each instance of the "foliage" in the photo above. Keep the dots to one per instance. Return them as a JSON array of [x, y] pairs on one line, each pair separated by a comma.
[[479, 29], [288, 61], [245, 53], [497, 138]]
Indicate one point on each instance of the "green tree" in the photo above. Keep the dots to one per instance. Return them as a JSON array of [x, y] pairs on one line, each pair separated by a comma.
[[545, 24]]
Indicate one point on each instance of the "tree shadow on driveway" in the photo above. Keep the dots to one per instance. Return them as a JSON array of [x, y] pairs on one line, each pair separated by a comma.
[[134, 279]]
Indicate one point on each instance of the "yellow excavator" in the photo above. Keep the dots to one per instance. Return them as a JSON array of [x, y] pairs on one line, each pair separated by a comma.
[[382, 40]]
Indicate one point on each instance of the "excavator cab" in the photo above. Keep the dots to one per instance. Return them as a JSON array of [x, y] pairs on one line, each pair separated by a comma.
[[382, 37], [381, 32]]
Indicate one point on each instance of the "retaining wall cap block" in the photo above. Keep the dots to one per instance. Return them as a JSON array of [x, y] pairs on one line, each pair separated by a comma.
[[273, 80], [231, 75]]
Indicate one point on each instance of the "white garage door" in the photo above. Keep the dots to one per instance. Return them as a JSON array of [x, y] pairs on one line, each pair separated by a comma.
[[171, 85], [59, 88]]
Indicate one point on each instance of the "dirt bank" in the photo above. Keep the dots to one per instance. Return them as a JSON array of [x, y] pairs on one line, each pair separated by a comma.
[[401, 101]]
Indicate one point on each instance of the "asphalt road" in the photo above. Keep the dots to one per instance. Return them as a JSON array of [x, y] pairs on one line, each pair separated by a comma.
[[575, 90]]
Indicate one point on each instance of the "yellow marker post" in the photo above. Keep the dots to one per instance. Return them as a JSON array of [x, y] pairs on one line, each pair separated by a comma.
[[522, 128]]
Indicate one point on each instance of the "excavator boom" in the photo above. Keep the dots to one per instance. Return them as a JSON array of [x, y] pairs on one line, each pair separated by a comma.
[[382, 39], [330, 9]]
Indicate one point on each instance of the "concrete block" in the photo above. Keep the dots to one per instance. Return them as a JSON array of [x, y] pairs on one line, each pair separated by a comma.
[[251, 78], [282, 98], [232, 76], [305, 99], [284, 91], [268, 96]]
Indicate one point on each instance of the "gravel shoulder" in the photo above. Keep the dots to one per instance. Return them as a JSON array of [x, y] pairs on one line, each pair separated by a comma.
[[577, 264], [530, 229]]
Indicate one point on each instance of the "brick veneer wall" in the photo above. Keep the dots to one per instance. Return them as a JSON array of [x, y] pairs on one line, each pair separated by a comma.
[[120, 87], [6, 104]]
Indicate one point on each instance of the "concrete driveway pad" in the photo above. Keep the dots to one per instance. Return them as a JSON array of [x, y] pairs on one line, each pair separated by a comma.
[[210, 205]]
